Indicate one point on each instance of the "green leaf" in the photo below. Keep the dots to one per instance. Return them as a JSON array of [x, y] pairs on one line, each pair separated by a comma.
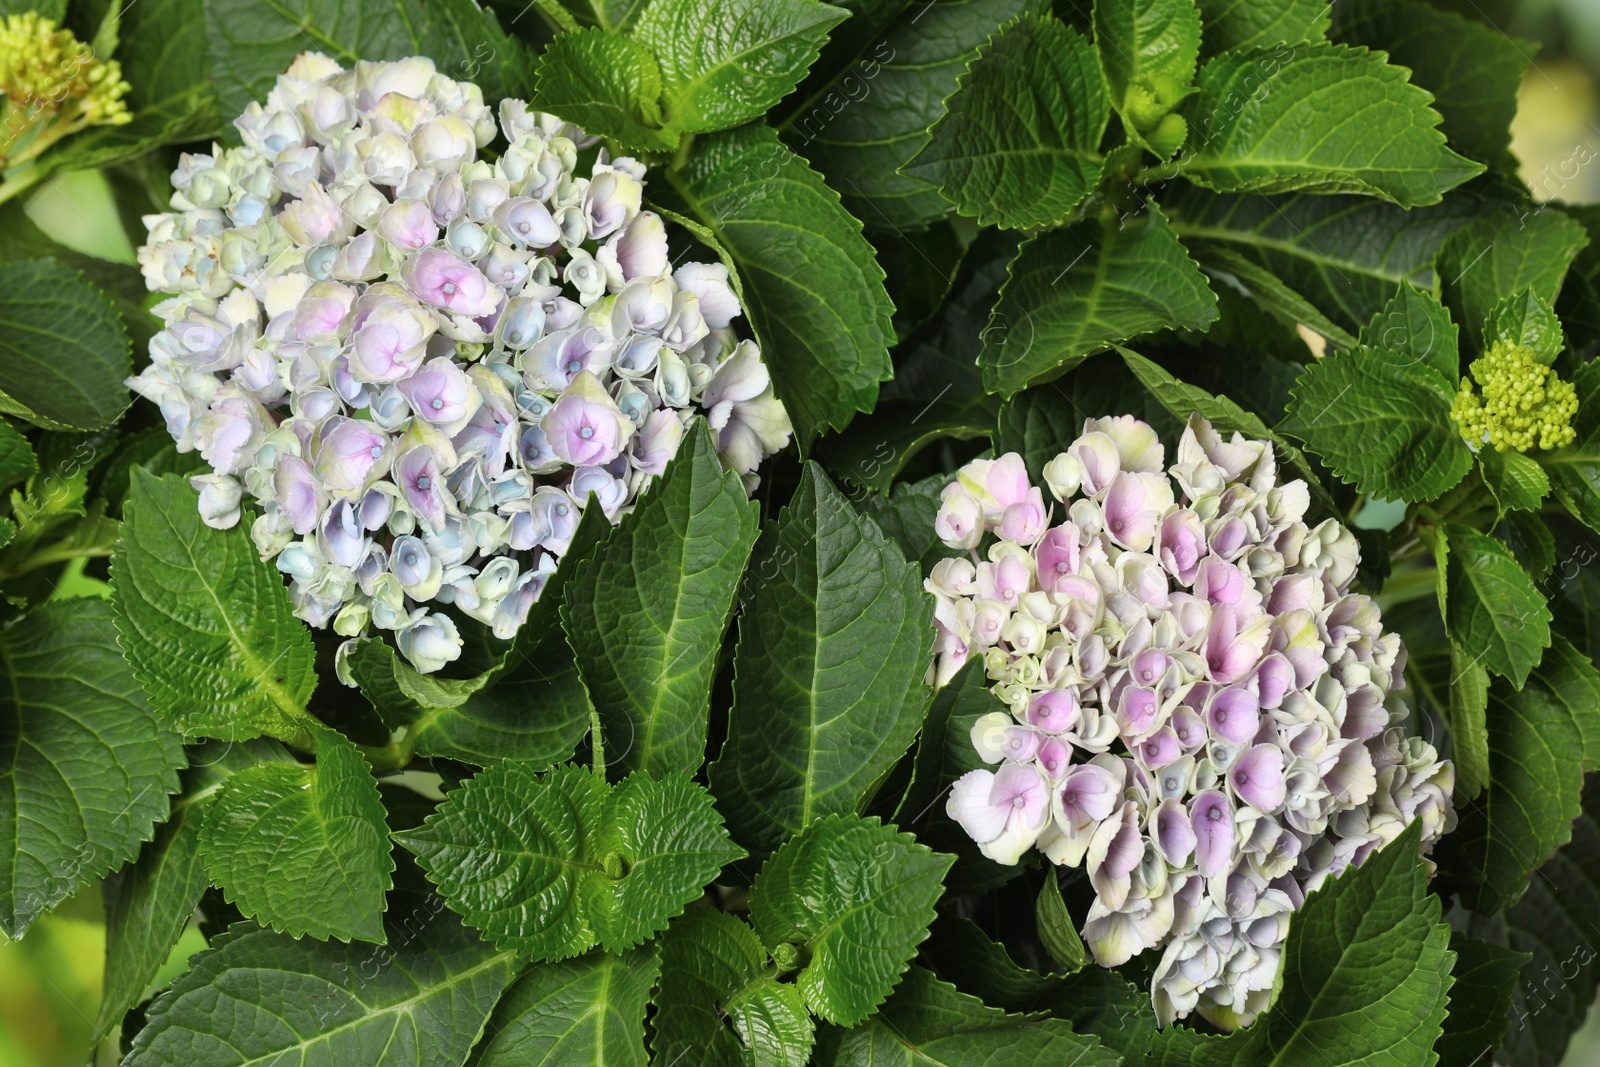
[[1343, 254], [1469, 704], [1504, 253], [646, 614], [906, 517], [1148, 50], [1517, 482], [304, 850], [258, 997], [857, 897], [551, 865], [606, 83], [1075, 290], [610, 14], [813, 289], [1540, 741], [1415, 326], [1365, 975], [251, 42], [1040, 423], [814, 721], [205, 623], [864, 124], [1231, 26], [731, 62], [1183, 401], [1472, 70], [63, 351], [584, 1012], [956, 705], [1375, 133], [1486, 976], [718, 1004], [1495, 614], [1527, 319], [927, 1023], [86, 766], [1574, 471], [17, 460], [1381, 422], [149, 903], [1057, 931], [1018, 143], [1270, 293]]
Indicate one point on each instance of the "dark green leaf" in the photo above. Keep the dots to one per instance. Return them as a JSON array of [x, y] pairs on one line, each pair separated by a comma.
[[63, 351], [1230, 25], [551, 865], [814, 721], [1469, 730], [584, 1012], [857, 898], [1078, 289], [1416, 327], [1382, 422], [1057, 931], [906, 516], [17, 460], [1041, 422], [87, 766], [606, 83], [1018, 143], [1374, 134], [1495, 614], [205, 623], [1575, 470], [1504, 253], [646, 614], [815, 294], [1486, 975]]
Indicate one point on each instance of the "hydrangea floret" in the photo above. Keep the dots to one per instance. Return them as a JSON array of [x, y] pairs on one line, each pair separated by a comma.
[[54, 85], [420, 363], [1201, 714], [1524, 405]]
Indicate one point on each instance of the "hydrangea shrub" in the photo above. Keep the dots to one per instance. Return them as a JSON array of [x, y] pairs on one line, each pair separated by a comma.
[[737, 532]]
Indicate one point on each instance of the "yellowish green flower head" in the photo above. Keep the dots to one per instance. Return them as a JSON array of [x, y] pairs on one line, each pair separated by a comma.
[[1524, 404], [54, 85]]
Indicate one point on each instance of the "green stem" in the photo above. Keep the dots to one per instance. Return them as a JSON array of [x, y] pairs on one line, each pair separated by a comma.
[[394, 756], [1406, 586], [558, 15], [597, 744]]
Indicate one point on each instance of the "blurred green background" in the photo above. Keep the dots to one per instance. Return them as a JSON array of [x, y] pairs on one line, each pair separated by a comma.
[[50, 981]]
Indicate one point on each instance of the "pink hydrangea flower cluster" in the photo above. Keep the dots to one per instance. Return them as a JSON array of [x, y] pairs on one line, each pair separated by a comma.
[[420, 363], [1202, 715]]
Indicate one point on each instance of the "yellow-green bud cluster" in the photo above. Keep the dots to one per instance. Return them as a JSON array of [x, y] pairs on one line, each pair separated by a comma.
[[1524, 404], [53, 85]]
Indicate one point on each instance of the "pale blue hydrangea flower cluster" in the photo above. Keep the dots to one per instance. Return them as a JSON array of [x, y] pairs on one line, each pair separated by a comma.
[[1202, 714], [420, 363]]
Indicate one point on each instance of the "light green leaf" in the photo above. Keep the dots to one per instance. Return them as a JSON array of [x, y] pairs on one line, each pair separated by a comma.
[[1486, 975], [1366, 971], [1527, 319], [551, 865], [205, 623], [646, 613], [863, 125], [927, 1023], [815, 722], [1516, 481], [856, 897], [86, 766], [1503, 253], [719, 1004], [1231, 26], [1415, 326], [1473, 70], [728, 63], [149, 903], [610, 14], [1540, 742], [606, 83], [1375, 133], [1343, 254], [1381, 422], [1469, 704], [1018, 143], [1495, 614], [63, 351], [1148, 50], [17, 460], [813, 289], [258, 997], [1057, 932], [1078, 289], [584, 1012], [304, 850]]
